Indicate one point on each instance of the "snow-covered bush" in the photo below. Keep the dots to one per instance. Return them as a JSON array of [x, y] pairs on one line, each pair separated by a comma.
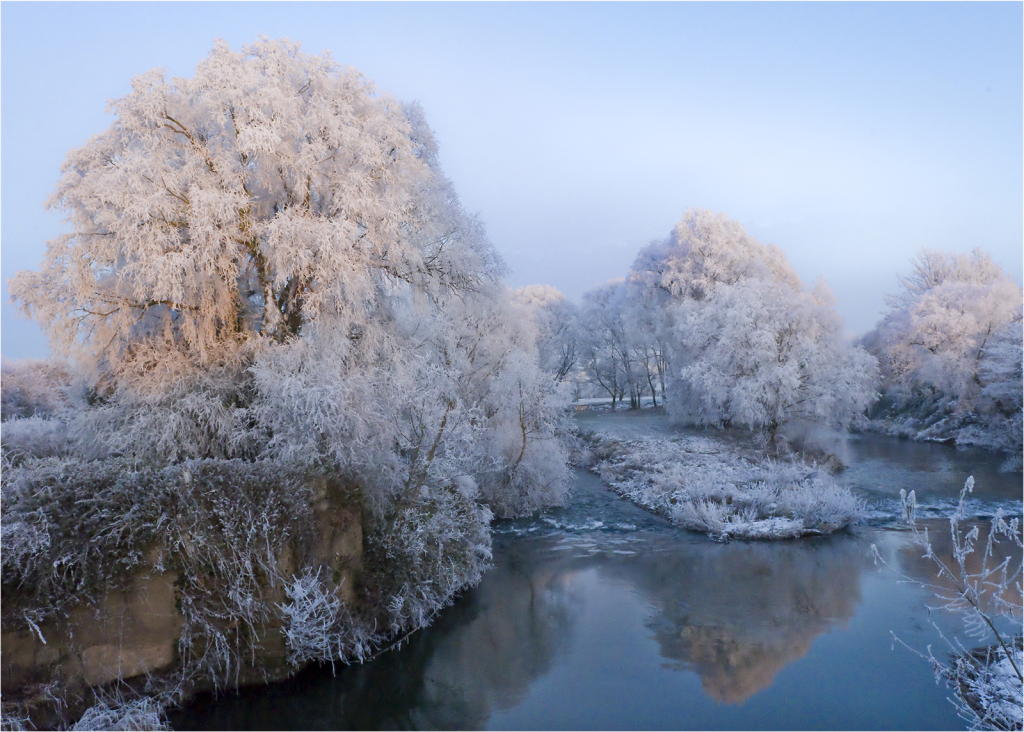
[[73, 531], [179, 411], [32, 388], [112, 712], [33, 437], [949, 349], [318, 626], [421, 557], [706, 485], [987, 681]]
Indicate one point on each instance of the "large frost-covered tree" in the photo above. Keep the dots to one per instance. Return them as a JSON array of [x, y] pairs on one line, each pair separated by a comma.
[[271, 193], [272, 237], [265, 262], [747, 345], [765, 356]]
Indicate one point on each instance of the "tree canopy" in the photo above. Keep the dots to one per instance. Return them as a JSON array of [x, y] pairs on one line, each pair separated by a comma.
[[270, 194]]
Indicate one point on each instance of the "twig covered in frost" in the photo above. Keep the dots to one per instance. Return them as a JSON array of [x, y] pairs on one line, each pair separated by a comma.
[[987, 683], [113, 712], [13, 719]]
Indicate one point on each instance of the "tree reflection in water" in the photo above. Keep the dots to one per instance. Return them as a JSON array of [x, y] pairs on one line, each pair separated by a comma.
[[480, 656], [522, 617], [738, 613], [735, 614]]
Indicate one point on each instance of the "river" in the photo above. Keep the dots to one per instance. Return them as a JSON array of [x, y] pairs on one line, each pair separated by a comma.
[[601, 616]]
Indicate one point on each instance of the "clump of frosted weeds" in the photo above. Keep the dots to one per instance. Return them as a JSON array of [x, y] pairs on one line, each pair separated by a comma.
[[988, 687], [13, 719], [704, 485], [318, 626], [432, 548], [113, 712]]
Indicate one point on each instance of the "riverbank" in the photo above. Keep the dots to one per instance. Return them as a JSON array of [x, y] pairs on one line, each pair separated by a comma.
[[601, 615]]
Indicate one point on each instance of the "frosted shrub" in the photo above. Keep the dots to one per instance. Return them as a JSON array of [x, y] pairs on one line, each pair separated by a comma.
[[231, 522], [32, 388], [73, 529], [438, 544], [174, 412], [772, 504], [704, 485], [314, 623], [987, 682], [14, 720], [34, 437], [114, 713]]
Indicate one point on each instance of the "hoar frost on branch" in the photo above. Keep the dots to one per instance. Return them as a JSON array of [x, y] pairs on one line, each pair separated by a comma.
[[987, 681]]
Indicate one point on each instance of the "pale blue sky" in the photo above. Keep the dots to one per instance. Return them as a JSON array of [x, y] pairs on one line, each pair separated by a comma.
[[850, 135]]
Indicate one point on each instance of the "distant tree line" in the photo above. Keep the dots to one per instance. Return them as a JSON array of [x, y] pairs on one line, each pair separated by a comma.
[[719, 329]]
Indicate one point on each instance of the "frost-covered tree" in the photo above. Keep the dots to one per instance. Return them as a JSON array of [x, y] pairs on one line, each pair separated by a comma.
[[941, 320], [267, 272], [766, 356], [622, 342], [272, 237], [271, 193], [705, 250], [648, 332], [557, 323], [605, 346], [747, 345], [946, 347]]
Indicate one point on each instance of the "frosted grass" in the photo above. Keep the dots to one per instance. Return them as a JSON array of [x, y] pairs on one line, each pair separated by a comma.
[[705, 485]]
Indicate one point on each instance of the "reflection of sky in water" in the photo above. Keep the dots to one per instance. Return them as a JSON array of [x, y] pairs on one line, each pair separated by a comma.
[[602, 616]]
